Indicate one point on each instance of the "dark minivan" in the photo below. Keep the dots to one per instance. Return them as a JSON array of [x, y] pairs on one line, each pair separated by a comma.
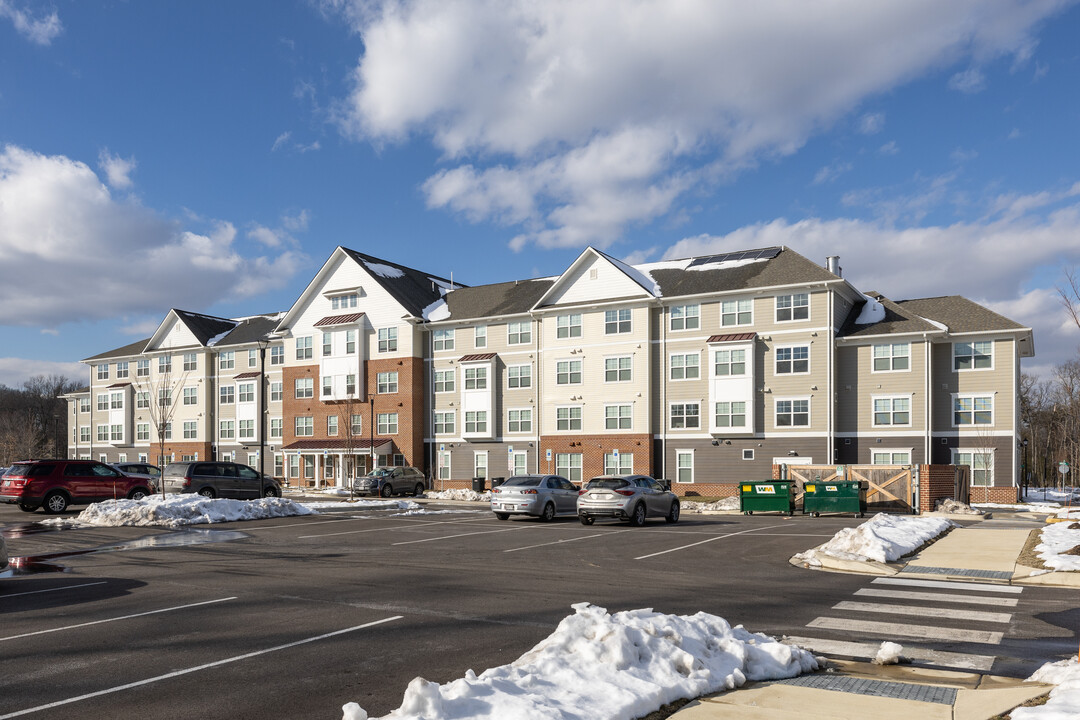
[[219, 480]]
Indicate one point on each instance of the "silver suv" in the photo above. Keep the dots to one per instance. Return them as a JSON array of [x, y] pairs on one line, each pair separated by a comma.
[[388, 481], [628, 497]]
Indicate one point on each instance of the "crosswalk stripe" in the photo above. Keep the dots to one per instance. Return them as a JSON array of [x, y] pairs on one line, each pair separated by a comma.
[[925, 632], [947, 585], [927, 612], [938, 597], [869, 650]]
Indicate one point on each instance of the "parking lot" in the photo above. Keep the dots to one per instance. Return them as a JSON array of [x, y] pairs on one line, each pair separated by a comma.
[[292, 617]]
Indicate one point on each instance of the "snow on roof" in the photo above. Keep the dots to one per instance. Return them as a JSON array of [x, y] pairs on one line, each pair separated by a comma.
[[872, 312], [385, 271], [935, 323], [217, 338], [436, 311], [641, 277]]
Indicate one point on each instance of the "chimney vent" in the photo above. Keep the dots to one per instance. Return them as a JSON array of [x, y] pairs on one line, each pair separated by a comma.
[[832, 264]]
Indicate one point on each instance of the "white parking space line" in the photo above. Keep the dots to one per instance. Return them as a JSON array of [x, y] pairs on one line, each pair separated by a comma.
[[702, 542], [122, 617], [569, 540], [186, 671], [869, 650], [949, 585], [410, 524], [927, 612], [451, 537], [890, 630], [938, 597], [65, 587]]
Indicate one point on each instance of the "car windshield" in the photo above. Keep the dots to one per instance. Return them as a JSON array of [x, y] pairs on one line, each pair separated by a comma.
[[606, 483], [379, 472], [522, 482], [176, 470]]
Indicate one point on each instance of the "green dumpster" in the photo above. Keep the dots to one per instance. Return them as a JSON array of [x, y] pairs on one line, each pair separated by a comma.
[[838, 496], [767, 496]]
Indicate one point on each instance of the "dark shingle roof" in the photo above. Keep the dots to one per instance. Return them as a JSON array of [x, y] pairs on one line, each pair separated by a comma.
[[787, 268], [204, 327], [898, 320], [131, 350], [414, 289], [509, 298], [959, 314], [249, 330]]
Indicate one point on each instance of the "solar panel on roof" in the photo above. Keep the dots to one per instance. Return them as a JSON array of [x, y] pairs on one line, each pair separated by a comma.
[[762, 254]]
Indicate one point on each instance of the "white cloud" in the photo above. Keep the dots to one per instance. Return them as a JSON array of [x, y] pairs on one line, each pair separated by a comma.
[[871, 123], [280, 141], [60, 225], [15, 371], [889, 148], [277, 237], [38, 30], [515, 90], [831, 172], [117, 169], [969, 81]]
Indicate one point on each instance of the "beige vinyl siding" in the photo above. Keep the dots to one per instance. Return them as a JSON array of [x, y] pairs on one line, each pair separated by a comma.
[[857, 386], [997, 382]]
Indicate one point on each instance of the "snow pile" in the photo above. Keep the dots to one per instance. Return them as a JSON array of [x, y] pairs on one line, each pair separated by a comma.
[[888, 654], [1058, 539], [1068, 513], [597, 665], [177, 510], [872, 312], [363, 504], [1033, 507], [1053, 495], [883, 538], [1064, 703], [955, 507], [459, 494], [728, 503]]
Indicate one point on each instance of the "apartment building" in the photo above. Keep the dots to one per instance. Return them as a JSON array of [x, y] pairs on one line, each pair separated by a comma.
[[706, 370]]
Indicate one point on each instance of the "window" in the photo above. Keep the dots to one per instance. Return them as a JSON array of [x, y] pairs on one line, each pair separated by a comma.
[[387, 423], [518, 463], [684, 466], [792, 360], [191, 361], [685, 367], [792, 413], [685, 416], [685, 317], [142, 431], [569, 466], [618, 417], [142, 368], [356, 425], [480, 465], [327, 386], [973, 355], [191, 396], [568, 418], [142, 401], [277, 427], [253, 358], [443, 339], [792, 307], [165, 397], [386, 382], [350, 385], [84, 433], [191, 429], [568, 372], [167, 432], [388, 339], [103, 401], [103, 433], [729, 362], [303, 348], [476, 378], [892, 411], [621, 464], [890, 457], [246, 392], [476, 421], [519, 376], [981, 463], [164, 363], [444, 423], [519, 333], [891, 358], [305, 388], [973, 410], [519, 421], [343, 302], [116, 433], [121, 370], [84, 405], [327, 344], [480, 336], [228, 394], [277, 391], [748, 454], [277, 355], [227, 360], [305, 426], [103, 371], [736, 312], [279, 465], [731, 414], [116, 401], [618, 369], [350, 342], [444, 381], [616, 322], [568, 326], [331, 424], [227, 429], [444, 465]]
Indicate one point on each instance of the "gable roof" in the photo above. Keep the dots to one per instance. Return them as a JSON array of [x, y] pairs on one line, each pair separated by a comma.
[[959, 314], [898, 320], [412, 288], [645, 283], [498, 300], [129, 350], [250, 330]]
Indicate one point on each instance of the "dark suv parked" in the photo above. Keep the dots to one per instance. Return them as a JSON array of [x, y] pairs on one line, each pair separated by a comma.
[[53, 485], [389, 481], [219, 479]]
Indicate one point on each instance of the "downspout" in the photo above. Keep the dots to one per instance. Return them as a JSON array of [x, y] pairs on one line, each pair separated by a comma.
[[830, 443], [538, 395], [928, 441], [663, 390]]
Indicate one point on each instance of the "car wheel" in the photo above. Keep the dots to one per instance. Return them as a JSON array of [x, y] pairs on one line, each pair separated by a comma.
[[27, 507], [271, 491], [207, 493], [673, 513], [387, 490], [138, 494], [586, 519], [418, 491], [549, 513], [502, 516], [55, 502], [637, 519]]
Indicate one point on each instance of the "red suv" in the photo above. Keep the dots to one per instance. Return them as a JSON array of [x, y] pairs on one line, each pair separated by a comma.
[[55, 484]]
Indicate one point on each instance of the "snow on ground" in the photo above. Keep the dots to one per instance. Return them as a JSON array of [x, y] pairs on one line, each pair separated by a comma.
[[459, 494], [421, 511], [883, 538], [955, 507], [728, 503], [1037, 507], [362, 504], [1068, 513], [177, 510], [1064, 703], [1057, 538], [1053, 495], [599, 665], [888, 654]]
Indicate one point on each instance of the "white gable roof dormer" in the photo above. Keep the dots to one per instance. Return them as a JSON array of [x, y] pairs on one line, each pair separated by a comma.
[[597, 277], [173, 332]]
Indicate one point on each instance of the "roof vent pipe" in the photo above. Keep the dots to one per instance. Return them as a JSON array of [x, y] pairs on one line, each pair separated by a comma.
[[832, 264]]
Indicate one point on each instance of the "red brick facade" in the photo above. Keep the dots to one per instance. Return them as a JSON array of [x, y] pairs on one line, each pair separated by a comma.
[[594, 447]]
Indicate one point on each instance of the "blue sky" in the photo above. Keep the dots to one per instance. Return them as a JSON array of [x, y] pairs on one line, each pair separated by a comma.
[[210, 156]]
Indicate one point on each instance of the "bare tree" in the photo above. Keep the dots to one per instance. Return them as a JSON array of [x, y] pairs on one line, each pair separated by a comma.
[[163, 401], [1070, 294]]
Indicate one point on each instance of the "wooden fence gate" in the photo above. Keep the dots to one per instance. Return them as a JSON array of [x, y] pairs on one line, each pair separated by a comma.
[[890, 486]]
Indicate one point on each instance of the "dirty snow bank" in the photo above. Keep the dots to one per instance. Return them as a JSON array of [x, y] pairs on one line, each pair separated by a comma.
[[1064, 703], [883, 538], [1058, 539], [955, 507], [728, 503], [177, 510], [459, 494], [598, 665]]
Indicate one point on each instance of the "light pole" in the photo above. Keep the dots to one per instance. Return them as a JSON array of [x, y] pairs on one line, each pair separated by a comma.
[[1023, 470]]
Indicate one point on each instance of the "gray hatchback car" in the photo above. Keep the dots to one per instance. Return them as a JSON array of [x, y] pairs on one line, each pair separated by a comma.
[[542, 496], [626, 497], [219, 479]]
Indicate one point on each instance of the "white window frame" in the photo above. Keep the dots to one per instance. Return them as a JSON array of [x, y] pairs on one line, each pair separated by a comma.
[[730, 414], [568, 326], [304, 426], [684, 417], [519, 332], [277, 427], [142, 368], [480, 336], [103, 371], [442, 339], [889, 353], [569, 466], [191, 395], [988, 470], [519, 374], [444, 422], [245, 429], [253, 358], [304, 350], [122, 370], [191, 362], [277, 391], [892, 453], [386, 382], [478, 379], [793, 412], [615, 325], [569, 419], [791, 360], [476, 422], [618, 369], [624, 465], [277, 355], [142, 432], [227, 360], [975, 356], [685, 317], [569, 372], [386, 424], [523, 422], [624, 412], [974, 411], [730, 362], [736, 310], [480, 464], [227, 430], [681, 455], [892, 411], [792, 308], [356, 424], [304, 388], [388, 340], [245, 392], [448, 373], [682, 366], [331, 425]]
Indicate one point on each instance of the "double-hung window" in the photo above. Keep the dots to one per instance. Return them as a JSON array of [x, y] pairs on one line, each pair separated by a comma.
[[121, 370], [519, 421], [227, 360], [617, 322], [350, 342], [973, 410], [568, 418], [973, 355], [331, 425], [245, 392], [730, 414], [443, 339], [277, 355], [981, 463], [792, 307], [476, 378], [684, 466], [568, 372], [729, 362], [892, 357], [480, 336], [618, 417], [568, 326], [356, 424], [519, 376], [892, 411], [227, 429], [191, 396], [305, 388], [303, 348], [685, 416], [685, 367], [142, 368], [227, 394], [191, 429], [519, 333], [164, 363], [568, 465], [737, 312], [388, 339], [277, 391], [476, 421], [103, 371], [191, 362], [618, 369], [621, 464], [444, 423], [387, 424], [793, 360], [890, 457], [305, 426], [444, 381], [792, 413], [327, 344], [685, 317], [387, 382]]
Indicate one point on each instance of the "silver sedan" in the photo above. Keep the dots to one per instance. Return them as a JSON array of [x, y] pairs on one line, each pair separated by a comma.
[[543, 496], [626, 497]]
